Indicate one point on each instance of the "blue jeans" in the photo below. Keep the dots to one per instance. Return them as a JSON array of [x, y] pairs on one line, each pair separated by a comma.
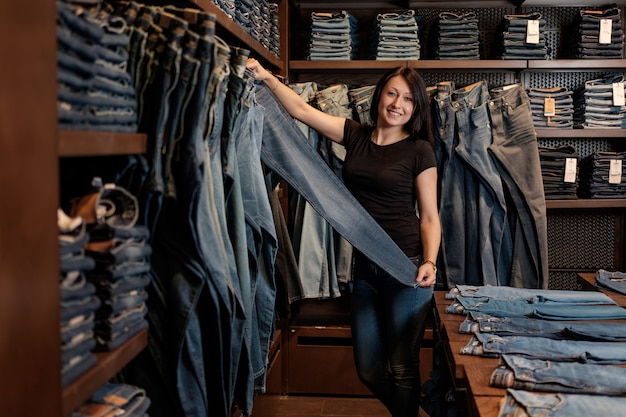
[[287, 152], [530, 295], [544, 375], [615, 281], [562, 405], [490, 345], [388, 321], [477, 322], [514, 147]]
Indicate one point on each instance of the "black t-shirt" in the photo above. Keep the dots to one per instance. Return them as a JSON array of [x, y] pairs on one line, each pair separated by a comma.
[[382, 179]]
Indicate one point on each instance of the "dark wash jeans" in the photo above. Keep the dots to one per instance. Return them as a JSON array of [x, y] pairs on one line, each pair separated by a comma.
[[287, 152]]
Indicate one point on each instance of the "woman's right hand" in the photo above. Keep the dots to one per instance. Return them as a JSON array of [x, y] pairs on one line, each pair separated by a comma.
[[255, 66]]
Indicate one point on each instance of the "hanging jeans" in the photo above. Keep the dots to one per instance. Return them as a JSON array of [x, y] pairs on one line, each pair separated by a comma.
[[544, 375], [561, 405], [286, 151], [514, 147]]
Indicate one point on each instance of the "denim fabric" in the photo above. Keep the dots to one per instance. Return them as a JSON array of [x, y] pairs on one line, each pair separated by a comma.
[[600, 176], [388, 321], [514, 147], [614, 281], [487, 206], [118, 339], [477, 322], [544, 310], [513, 44], [81, 364], [287, 152], [490, 345], [333, 36], [563, 116], [118, 399], [529, 295], [361, 102], [395, 36], [458, 36], [544, 375], [594, 103], [560, 405], [95, 91], [558, 181]]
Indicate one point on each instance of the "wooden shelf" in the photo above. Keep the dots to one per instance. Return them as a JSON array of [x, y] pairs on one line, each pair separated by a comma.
[[88, 143], [587, 203], [426, 64], [581, 133], [109, 363], [235, 30], [577, 64]]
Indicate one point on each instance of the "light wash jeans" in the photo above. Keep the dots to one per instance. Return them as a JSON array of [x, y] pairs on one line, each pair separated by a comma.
[[494, 346], [530, 374], [561, 405], [287, 152]]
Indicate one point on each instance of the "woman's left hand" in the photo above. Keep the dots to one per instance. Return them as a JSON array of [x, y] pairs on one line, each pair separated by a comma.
[[426, 276]]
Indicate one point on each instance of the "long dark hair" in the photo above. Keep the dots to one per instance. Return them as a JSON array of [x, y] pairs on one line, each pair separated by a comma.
[[420, 123]]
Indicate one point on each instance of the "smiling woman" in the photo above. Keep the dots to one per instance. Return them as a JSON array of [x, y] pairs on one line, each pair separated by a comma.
[[390, 168]]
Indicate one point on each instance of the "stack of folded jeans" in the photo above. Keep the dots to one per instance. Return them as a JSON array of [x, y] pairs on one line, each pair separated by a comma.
[[227, 6], [552, 107], [599, 34], [396, 36], [114, 399], [257, 18], [274, 45], [458, 36], [95, 90], [122, 268], [78, 299], [523, 37], [334, 36], [519, 402], [611, 280], [599, 103], [559, 171], [602, 175]]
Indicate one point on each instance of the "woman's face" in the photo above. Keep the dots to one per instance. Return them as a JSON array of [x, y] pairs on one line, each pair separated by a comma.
[[396, 104]]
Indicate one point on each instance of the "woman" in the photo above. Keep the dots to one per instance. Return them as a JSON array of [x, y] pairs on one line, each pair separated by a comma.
[[391, 170]]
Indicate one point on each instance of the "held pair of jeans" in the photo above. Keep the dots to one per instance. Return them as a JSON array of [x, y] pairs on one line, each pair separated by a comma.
[[288, 153], [388, 321]]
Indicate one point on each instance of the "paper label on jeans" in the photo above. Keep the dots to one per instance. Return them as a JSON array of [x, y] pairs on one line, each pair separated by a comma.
[[532, 31], [606, 26], [549, 106], [570, 170], [615, 171], [618, 94]]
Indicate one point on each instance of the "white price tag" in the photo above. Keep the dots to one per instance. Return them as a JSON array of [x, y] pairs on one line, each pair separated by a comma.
[[606, 27], [618, 93], [532, 31], [615, 171], [570, 170]]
